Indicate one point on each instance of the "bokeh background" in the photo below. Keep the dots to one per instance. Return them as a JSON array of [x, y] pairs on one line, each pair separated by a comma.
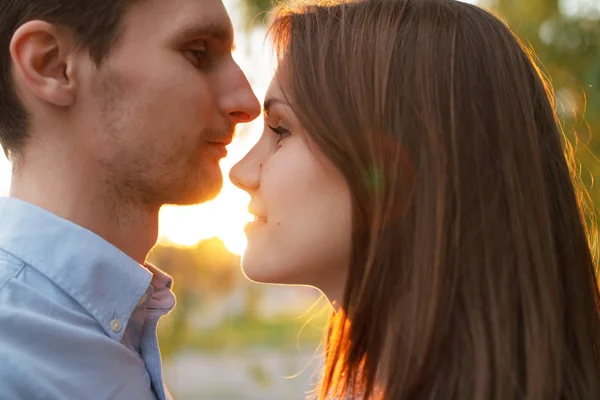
[[232, 339]]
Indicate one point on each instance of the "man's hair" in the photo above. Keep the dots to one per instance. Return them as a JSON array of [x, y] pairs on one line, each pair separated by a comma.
[[95, 24]]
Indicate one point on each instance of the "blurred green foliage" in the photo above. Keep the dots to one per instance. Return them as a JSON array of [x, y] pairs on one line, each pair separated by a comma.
[[202, 275], [205, 276], [256, 10], [284, 333], [568, 47]]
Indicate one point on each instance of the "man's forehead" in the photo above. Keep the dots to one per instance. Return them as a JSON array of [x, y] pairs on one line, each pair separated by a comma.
[[220, 30], [190, 19], [208, 18]]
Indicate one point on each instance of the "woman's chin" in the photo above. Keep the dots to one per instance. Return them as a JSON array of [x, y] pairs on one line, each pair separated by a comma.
[[260, 275]]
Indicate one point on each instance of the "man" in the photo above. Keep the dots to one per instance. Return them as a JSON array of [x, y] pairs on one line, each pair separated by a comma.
[[109, 109]]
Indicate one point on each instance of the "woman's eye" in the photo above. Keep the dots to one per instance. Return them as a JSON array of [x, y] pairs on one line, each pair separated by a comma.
[[281, 131]]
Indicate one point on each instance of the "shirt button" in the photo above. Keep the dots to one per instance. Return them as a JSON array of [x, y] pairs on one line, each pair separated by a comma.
[[115, 325], [143, 299]]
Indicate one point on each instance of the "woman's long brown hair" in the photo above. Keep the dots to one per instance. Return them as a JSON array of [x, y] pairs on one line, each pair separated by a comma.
[[472, 276]]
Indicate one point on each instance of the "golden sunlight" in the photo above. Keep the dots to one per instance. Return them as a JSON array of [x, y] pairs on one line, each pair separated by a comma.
[[225, 216]]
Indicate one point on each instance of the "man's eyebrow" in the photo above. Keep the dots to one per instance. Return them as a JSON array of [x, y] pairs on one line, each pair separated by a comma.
[[220, 32]]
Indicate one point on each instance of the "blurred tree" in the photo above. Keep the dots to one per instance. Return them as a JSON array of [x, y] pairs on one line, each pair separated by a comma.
[[568, 46], [203, 274], [256, 8], [206, 270]]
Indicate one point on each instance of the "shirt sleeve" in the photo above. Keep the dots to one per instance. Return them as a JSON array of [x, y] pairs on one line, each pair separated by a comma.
[[17, 382]]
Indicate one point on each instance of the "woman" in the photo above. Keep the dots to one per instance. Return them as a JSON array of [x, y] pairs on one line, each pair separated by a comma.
[[412, 168]]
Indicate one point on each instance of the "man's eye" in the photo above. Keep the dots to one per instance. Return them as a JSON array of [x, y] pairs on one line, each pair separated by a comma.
[[200, 57]]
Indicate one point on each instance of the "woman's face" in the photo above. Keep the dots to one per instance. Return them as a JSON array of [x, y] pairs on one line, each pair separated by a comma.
[[301, 202]]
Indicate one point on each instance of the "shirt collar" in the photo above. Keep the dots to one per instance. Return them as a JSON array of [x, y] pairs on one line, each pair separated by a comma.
[[106, 282], [162, 296]]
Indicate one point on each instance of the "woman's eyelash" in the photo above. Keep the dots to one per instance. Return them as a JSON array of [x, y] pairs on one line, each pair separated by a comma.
[[280, 130]]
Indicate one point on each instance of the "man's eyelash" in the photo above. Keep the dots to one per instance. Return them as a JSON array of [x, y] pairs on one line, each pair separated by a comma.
[[203, 57]]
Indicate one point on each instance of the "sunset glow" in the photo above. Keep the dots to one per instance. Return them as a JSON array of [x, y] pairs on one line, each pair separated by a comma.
[[225, 216]]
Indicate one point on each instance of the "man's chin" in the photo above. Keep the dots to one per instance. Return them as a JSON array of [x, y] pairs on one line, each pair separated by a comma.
[[200, 193]]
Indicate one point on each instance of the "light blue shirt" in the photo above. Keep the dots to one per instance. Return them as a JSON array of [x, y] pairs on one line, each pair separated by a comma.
[[78, 316]]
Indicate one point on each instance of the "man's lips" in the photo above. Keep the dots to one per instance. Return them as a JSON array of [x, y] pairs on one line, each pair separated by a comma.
[[225, 142], [218, 149]]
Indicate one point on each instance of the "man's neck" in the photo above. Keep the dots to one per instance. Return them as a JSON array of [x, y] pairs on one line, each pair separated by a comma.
[[72, 194]]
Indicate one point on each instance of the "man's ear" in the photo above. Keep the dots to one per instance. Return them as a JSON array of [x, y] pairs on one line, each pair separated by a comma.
[[42, 56]]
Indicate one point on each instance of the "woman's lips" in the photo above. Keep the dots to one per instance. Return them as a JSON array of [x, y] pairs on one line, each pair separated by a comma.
[[259, 221]]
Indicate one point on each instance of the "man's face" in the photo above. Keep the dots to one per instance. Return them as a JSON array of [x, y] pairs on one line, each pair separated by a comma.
[[163, 105]]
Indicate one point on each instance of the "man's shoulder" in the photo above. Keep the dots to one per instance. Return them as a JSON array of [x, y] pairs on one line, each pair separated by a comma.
[[40, 354], [24, 287], [10, 267], [36, 314]]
